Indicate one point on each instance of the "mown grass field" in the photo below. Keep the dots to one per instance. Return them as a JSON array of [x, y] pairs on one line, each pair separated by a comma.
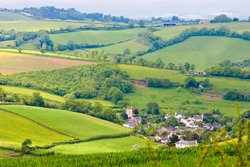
[[101, 146], [70, 123], [95, 37], [204, 52], [8, 16], [36, 25], [14, 130], [15, 63]]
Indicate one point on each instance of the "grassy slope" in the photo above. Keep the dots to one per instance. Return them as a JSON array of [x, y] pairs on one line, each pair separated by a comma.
[[204, 52], [219, 86], [14, 62], [29, 92], [95, 37], [101, 146], [8, 16], [74, 124], [14, 130], [47, 96], [133, 45], [170, 32], [171, 100]]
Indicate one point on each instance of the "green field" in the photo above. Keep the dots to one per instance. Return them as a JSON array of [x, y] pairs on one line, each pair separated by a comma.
[[70, 123], [8, 16], [134, 46], [101, 146], [219, 86], [96, 37], [171, 32], [174, 100], [15, 63], [204, 52], [14, 130], [36, 25]]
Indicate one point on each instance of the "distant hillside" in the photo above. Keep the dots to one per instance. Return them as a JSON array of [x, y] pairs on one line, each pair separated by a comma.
[[50, 12], [9, 16], [204, 52]]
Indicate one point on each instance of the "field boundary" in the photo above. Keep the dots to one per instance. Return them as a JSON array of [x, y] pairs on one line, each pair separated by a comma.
[[38, 123]]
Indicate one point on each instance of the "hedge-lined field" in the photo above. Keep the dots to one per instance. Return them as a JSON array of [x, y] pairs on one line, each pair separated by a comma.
[[15, 129], [70, 123], [204, 52], [100, 37]]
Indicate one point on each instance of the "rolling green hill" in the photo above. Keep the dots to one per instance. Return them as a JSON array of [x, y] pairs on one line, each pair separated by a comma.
[[14, 130], [10, 16], [70, 123], [133, 45], [95, 37], [204, 52], [171, 32]]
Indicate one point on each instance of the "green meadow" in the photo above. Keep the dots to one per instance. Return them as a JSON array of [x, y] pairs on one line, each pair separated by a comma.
[[16, 129], [101, 146], [101, 37], [70, 123], [204, 52]]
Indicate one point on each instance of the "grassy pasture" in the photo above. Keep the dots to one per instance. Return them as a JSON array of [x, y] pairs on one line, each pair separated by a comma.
[[95, 37], [171, 32], [15, 63], [8, 16], [36, 25], [133, 45], [204, 52], [173, 100], [74, 124], [14, 130], [220, 84], [101, 146]]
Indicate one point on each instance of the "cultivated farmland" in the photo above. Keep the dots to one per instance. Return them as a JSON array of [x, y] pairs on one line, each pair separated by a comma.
[[15, 63]]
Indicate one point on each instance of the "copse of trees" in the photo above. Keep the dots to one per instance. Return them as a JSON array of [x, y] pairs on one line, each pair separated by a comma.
[[235, 95], [160, 83], [221, 19], [82, 82], [227, 71]]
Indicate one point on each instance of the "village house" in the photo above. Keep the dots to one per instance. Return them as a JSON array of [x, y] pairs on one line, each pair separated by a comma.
[[132, 122], [183, 144], [129, 112], [177, 115], [164, 140], [200, 73], [204, 22], [212, 126], [197, 118], [189, 122]]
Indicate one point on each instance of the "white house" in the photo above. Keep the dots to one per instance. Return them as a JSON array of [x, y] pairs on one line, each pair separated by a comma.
[[183, 144], [129, 112], [178, 115]]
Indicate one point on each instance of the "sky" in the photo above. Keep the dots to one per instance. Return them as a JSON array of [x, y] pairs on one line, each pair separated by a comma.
[[145, 8]]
